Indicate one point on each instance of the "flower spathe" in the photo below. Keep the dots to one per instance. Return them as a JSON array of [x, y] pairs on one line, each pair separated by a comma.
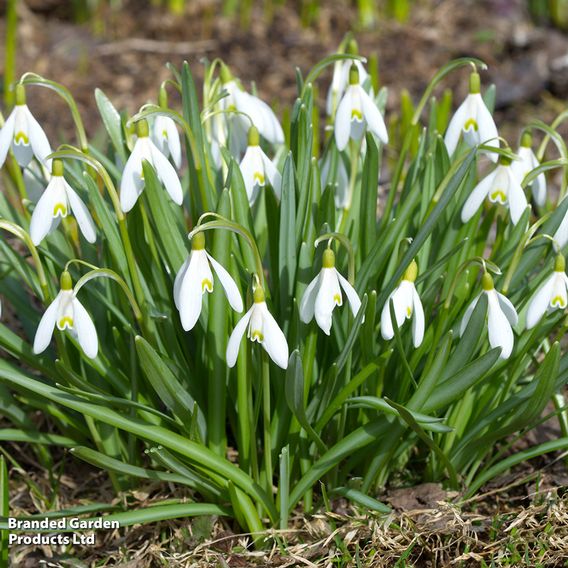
[[526, 163], [473, 120], [260, 326], [407, 304], [500, 186], [166, 138], [323, 294], [501, 317], [356, 113], [257, 168], [67, 313], [23, 134], [195, 278], [132, 182], [551, 295], [57, 201]]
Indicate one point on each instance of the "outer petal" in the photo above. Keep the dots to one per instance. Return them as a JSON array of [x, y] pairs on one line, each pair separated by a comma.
[[86, 332], [539, 302], [229, 285], [373, 116], [399, 304], [417, 320], [272, 174], [351, 294], [487, 129], [248, 167], [191, 292], [6, 137], [167, 174], [42, 217], [561, 235], [174, 144], [46, 325], [467, 315], [500, 332], [508, 309], [343, 121], [455, 127], [132, 183], [38, 140], [237, 336], [307, 305], [274, 341], [179, 279], [79, 209], [516, 197], [328, 296], [476, 197]]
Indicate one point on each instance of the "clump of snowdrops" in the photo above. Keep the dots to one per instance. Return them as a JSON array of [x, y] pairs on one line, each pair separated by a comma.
[[215, 299]]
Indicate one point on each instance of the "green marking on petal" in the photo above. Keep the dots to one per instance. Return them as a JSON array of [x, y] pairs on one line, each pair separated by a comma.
[[498, 196], [21, 136], [558, 302], [357, 115], [65, 322], [470, 123], [165, 133], [206, 284], [257, 336], [259, 178], [337, 299], [60, 209], [408, 311]]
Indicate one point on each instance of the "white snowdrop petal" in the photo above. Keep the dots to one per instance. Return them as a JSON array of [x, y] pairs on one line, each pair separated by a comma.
[[190, 296], [455, 127], [516, 198], [343, 121], [373, 116], [467, 315], [38, 140], [132, 182], [352, 296], [476, 197], [508, 309], [307, 304], [272, 174], [488, 134], [229, 285], [6, 137], [85, 328], [274, 341], [167, 174], [42, 216], [499, 330], [173, 141], [328, 296], [417, 319], [236, 337], [46, 326], [539, 302], [81, 213], [179, 279]]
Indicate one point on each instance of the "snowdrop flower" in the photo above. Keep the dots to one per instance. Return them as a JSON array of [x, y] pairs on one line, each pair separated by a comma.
[[406, 304], [500, 186], [341, 185], [528, 162], [324, 293], [501, 316], [166, 138], [340, 79], [357, 112], [257, 168], [473, 120], [250, 109], [132, 183], [552, 294], [195, 278], [260, 326], [66, 312], [23, 134], [58, 200], [561, 235]]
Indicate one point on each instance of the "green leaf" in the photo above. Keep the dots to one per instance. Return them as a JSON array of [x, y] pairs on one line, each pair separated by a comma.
[[112, 122], [361, 499]]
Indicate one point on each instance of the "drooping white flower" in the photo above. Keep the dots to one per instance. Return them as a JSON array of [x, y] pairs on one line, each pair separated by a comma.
[[406, 303], [561, 235], [324, 293], [356, 113], [57, 201], [166, 138], [500, 186], [526, 163], [260, 326], [551, 295], [472, 120], [66, 312], [501, 317], [340, 81], [132, 182], [23, 134], [249, 109], [195, 277], [257, 168], [339, 178]]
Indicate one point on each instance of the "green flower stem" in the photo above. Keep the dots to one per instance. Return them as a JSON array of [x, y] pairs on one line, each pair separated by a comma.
[[266, 415], [69, 152], [64, 93], [17, 231], [355, 152]]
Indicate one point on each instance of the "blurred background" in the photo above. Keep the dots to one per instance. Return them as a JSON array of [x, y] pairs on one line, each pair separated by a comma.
[[122, 46]]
